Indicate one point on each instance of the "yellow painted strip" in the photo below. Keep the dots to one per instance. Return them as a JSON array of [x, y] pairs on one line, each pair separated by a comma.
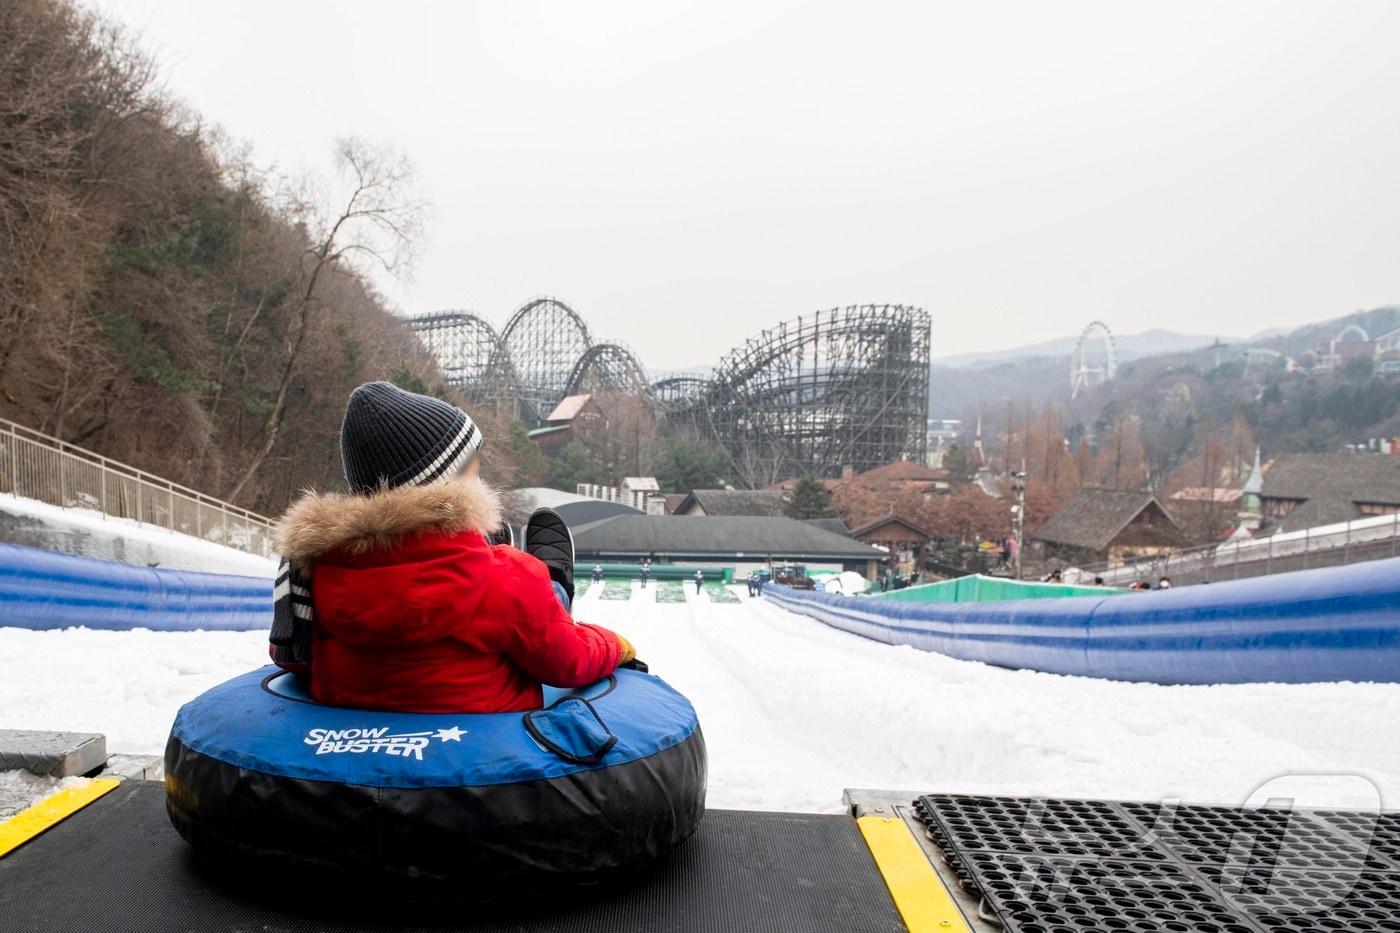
[[49, 812], [918, 892]]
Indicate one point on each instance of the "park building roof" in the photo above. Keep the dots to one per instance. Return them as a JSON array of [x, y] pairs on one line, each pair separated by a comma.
[[1219, 495], [1095, 518], [1355, 476], [732, 502], [569, 408], [833, 525], [575, 509], [716, 537], [1309, 490], [881, 528], [901, 471]]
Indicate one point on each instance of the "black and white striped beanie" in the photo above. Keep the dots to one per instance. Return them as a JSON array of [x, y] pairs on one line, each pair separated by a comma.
[[402, 438], [389, 437]]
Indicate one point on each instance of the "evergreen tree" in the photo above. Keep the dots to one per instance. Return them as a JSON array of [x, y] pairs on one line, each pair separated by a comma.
[[685, 465], [810, 499], [958, 462], [573, 464], [525, 456]]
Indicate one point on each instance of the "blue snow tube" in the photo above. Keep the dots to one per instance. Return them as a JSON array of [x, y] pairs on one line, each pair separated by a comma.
[[601, 781]]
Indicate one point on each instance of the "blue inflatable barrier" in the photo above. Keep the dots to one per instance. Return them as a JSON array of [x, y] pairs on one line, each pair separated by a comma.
[[47, 590], [1331, 624]]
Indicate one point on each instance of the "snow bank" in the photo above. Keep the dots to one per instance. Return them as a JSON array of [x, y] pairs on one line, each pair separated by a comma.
[[19, 789], [89, 533], [127, 685], [794, 711], [848, 583]]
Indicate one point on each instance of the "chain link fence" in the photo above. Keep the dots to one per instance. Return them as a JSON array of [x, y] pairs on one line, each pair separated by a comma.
[[36, 466]]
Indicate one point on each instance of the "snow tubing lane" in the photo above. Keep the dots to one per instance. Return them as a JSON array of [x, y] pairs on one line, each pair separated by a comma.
[[602, 781], [44, 590], [1330, 624]]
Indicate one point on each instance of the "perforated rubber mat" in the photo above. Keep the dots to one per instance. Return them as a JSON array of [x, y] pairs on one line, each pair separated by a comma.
[[118, 866], [1069, 866]]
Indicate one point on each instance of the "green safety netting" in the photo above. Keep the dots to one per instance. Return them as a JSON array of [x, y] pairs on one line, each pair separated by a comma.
[[980, 589], [584, 571], [617, 589], [670, 591], [719, 593]]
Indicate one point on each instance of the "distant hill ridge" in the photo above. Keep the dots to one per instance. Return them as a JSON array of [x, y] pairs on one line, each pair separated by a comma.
[[972, 384], [1160, 341], [1129, 347]]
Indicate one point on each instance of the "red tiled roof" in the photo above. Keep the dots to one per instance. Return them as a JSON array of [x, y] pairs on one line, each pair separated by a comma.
[[568, 409], [901, 471], [885, 520]]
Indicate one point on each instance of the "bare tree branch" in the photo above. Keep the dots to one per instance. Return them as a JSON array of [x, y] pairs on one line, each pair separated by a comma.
[[379, 222]]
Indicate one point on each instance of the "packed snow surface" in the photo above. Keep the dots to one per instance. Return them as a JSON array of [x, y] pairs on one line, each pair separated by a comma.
[[19, 789], [90, 533], [794, 711]]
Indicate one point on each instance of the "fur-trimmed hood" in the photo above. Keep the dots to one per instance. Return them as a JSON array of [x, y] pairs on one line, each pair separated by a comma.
[[321, 522]]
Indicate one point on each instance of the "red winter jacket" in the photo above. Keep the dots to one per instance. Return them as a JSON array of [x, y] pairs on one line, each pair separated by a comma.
[[416, 611]]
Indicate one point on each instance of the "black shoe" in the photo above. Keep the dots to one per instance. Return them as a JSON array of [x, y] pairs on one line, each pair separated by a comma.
[[504, 535], [547, 538]]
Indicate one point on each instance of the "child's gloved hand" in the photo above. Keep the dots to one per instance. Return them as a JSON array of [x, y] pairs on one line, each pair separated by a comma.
[[628, 652]]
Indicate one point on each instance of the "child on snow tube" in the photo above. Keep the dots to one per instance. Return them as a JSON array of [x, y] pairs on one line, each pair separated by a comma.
[[394, 597], [404, 620]]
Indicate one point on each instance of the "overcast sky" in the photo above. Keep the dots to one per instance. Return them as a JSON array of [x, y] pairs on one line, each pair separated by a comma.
[[685, 174]]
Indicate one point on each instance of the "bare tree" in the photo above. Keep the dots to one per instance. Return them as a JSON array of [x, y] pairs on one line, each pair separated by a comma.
[[379, 224], [759, 463], [67, 82]]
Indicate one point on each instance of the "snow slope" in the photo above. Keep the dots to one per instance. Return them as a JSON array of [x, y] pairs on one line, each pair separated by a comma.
[[89, 533], [794, 711]]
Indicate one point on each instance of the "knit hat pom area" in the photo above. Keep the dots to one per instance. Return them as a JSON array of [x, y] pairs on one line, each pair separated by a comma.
[[398, 438]]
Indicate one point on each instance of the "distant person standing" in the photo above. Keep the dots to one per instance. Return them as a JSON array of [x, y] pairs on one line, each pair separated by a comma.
[[646, 572], [597, 573], [699, 579]]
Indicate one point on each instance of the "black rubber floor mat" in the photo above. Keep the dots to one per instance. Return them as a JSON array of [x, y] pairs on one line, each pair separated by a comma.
[[118, 866], [1380, 833], [1077, 828], [1034, 893], [1060, 866], [1258, 838]]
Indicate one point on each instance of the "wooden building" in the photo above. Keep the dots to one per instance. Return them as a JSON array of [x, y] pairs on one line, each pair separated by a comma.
[[904, 540], [1109, 525]]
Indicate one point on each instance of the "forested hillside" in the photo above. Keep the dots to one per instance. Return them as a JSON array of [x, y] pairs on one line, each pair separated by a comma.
[[158, 302], [1168, 410]]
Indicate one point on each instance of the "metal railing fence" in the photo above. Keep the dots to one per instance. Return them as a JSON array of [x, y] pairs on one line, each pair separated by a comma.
[[35, 465], [1362, 539]]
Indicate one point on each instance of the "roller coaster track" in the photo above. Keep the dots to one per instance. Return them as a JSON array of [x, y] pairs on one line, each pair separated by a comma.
[[840, 387]]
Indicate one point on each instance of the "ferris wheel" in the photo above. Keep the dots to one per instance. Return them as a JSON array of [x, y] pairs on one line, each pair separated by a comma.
[[1089, 368]]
